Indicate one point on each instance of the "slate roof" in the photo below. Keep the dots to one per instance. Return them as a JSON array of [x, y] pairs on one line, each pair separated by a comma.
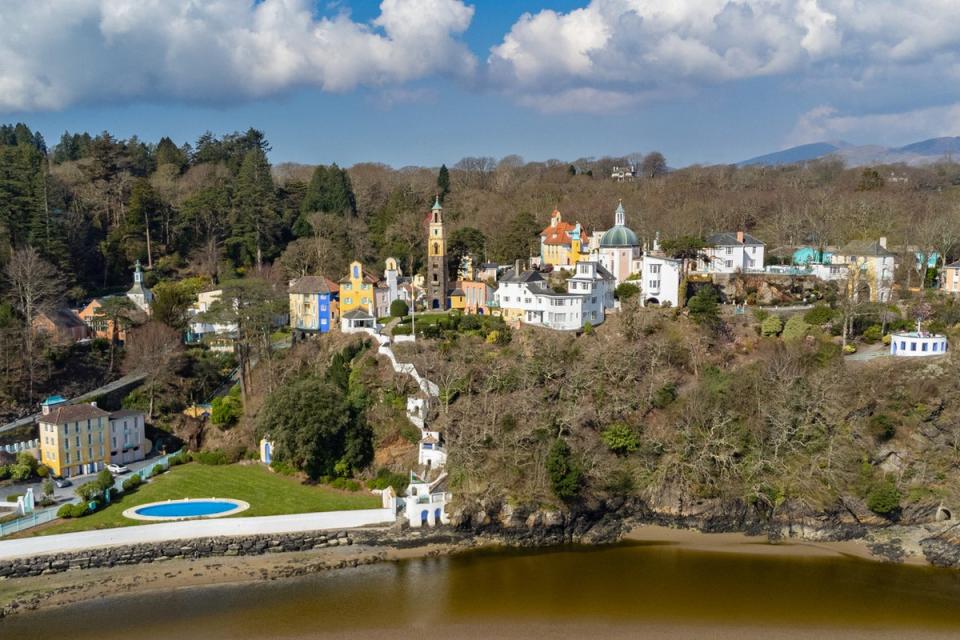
[[525, 276], [311, 284], [730, 240], [124, 413], [73, 413], [865, 248], [357, 314]]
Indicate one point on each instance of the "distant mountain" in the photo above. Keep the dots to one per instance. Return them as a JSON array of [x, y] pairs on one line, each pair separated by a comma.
[[803, 153], [917, 153]]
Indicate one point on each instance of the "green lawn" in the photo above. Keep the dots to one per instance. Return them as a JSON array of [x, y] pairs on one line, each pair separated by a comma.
[[268, 493]]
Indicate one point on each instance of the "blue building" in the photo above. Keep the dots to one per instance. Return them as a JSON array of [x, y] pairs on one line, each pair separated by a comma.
[[313, 305]]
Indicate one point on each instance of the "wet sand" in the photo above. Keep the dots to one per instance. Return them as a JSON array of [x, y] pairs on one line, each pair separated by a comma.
[[742, 543]]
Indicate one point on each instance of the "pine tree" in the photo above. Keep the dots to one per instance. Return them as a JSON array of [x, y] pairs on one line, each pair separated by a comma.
[[255, 219], [329, 191], [443, 182]]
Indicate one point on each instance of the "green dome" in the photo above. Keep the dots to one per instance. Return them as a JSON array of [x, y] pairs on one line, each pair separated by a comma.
[[619, 236]]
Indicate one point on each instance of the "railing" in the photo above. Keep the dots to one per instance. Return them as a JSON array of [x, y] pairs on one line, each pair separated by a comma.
[[34, 519], [46, 515]]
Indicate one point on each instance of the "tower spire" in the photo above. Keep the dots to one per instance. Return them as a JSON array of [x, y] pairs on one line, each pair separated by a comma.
[[620, 216]]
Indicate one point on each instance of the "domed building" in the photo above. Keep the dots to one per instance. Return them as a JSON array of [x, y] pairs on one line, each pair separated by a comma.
[[619, 250]]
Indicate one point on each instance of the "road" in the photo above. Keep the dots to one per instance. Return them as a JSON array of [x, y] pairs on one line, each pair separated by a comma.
[[185, 530], [105, 389]]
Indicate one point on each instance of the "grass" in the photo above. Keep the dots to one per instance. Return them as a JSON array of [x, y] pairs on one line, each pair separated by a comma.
[[268, 493], [423, 319]]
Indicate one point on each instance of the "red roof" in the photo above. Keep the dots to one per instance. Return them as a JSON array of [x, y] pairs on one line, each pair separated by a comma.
[[559, 234]]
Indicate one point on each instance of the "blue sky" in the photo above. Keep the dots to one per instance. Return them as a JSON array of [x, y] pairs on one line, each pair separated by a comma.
[[430, 81]]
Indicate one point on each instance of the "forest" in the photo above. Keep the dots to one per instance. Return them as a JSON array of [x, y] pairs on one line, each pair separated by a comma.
[[76, 216]]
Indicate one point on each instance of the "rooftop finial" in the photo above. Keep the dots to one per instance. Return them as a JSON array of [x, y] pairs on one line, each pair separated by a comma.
[[436, 203]]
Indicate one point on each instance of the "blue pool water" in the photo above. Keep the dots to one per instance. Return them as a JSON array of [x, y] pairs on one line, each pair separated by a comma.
[[190, 509]]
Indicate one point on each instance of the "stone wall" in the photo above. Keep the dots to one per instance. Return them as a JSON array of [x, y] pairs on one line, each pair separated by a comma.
[[220, 546]]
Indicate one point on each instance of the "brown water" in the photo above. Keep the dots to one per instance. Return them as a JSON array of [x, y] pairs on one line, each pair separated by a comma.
[[629, 590]]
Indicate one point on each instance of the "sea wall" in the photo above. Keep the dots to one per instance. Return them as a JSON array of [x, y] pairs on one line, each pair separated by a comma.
[[211, 547]]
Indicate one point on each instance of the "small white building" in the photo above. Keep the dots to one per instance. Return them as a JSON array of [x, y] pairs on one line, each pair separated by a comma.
[[219, 336], [433, 453], [138, 294], [660, 281], [425, 503], [732, 253], [128, 442], [915, 344], [357, 320]]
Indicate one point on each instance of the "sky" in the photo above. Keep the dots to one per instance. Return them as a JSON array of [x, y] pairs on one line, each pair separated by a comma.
[[425, 82]]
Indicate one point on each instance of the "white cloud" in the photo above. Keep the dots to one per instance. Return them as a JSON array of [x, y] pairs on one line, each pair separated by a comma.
[[639, 46], [57, 53], [827, 123]]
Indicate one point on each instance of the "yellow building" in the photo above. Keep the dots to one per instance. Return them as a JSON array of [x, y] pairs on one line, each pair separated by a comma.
[[357, 291], [871, 268], [458, 300], [74, 439], [561, 243]]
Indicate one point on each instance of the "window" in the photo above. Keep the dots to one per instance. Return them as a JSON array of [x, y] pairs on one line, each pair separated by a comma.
[[935, 346], [913, 346], [729, 251], [356, 271], [729, 264], [923, 347], [654, 268], [903, 345], [349, 300], [654, 284]]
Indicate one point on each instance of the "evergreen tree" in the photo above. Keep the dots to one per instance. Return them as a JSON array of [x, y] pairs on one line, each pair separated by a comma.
[[255, 220], [443, 182], [168, 153], [329, 191]]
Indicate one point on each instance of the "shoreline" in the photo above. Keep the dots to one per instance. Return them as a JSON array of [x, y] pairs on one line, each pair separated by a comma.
[[31, 594]]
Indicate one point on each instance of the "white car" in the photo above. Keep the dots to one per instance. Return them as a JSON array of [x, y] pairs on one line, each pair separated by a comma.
[[117, 469]]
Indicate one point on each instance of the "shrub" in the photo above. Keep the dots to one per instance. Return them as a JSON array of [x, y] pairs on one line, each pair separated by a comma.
[[849, 348], [399, 309], [587, 329], [620, 438], [226, 411], [565, 474], [13, 497], [771, 326], [795, 328], [132, 482], [873, 333], [42, 471], [49, 488], [664, 396], [20, 472], [625, 291], [66, 511], [73, 510], [819, 315], [387, 478], [215, 457], [402, 330], [4, 472], [181, 458], [884, 497], [283, 468], [703, 306], [882, 427], [345, 484], [157, 469]]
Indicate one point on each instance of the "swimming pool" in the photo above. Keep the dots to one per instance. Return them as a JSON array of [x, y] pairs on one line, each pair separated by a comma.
[[187, 508]]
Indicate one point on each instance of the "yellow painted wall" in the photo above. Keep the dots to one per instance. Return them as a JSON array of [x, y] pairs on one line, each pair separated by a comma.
[[356, 294]]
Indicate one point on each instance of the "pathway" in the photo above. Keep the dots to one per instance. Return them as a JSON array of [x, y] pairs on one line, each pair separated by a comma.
[[184, 530]]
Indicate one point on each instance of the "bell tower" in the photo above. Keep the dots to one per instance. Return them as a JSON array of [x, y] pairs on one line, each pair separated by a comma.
[[437, 285]]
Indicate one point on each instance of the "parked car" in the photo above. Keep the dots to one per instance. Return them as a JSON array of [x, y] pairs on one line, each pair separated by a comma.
[[117, 469], [62, 482]]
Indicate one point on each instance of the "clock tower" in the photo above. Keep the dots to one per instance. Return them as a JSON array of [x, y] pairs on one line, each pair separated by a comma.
[[437, 285]]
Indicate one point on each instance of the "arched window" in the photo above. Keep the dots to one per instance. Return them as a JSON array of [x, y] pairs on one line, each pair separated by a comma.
[[436, 247]]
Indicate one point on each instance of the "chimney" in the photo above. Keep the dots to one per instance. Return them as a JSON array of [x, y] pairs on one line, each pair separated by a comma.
[[740, 237], [517, 267], [45, 410], [93, 404], [883, 241]]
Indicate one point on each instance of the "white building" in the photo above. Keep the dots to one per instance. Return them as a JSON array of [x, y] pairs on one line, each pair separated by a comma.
[[660, 281], [732, 253], [219, 336], [128, 442], [619, 249], [527, 298], [425, 503], [432, 452], [916, 344]]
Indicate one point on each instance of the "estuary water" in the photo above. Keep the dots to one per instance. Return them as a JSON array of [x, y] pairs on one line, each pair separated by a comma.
[[631, 590]]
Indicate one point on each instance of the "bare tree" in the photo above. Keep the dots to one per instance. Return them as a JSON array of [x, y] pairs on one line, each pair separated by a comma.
[[35, 287], [155, 349]]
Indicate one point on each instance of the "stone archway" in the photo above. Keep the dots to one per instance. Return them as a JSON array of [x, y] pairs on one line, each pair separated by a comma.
[[651, 302]]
